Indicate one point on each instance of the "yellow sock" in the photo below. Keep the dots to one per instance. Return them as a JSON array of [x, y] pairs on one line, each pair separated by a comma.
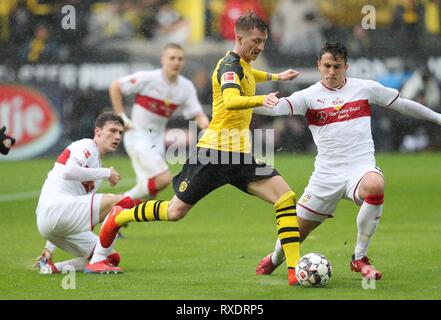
[[154, 210], [288, 228]]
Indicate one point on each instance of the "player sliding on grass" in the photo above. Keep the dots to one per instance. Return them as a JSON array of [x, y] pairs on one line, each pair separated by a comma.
[[69, 208], [227, 138], [338, 113]]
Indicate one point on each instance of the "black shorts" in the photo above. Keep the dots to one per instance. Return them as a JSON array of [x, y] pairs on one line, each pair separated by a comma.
[[209, 169]]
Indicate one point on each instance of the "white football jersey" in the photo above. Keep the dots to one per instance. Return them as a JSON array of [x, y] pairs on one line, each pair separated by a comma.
[[340, 120], [156, 98], [83, 153]]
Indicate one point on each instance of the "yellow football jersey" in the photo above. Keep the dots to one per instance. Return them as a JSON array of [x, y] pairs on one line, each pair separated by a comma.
[[234, 89]]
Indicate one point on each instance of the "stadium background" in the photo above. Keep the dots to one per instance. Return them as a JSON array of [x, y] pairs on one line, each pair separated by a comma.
[[72, 68], [213, 252]]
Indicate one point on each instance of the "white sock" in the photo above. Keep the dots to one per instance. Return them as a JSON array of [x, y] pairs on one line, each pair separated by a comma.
[[77, 263], [278, 255], [100, 253], [367, 222], [139, 191]]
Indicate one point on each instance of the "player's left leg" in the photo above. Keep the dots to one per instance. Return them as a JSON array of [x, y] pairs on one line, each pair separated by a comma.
[[276, 191], [147, 158], [371, 192], [317, 203], [271, 261], [107, 201]]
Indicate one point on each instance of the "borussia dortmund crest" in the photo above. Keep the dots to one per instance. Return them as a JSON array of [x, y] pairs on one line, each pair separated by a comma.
[[183, 186]]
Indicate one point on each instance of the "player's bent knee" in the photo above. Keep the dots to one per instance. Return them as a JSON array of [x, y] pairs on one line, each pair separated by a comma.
[[177, 209], [371, 184], [176, 215]]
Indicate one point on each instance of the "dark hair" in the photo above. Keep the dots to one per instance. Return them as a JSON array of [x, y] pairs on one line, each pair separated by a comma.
[[336, 48], [105, 117], [250, 21]]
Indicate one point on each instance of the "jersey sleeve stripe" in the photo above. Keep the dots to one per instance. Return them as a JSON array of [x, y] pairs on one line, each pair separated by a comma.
[[394, 100], [290, 106]]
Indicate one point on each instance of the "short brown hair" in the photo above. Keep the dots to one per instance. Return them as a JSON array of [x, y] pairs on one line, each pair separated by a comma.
[[105, 117], [250, 21], [336, 49]]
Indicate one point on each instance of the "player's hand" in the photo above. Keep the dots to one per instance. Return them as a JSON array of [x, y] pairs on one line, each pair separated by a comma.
[[127, 122], [45, 254], [6, 142], [114, 177], [289, 74], [271, 100]]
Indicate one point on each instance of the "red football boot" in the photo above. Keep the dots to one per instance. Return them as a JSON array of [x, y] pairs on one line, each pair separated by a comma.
[[292, 279], [364, 266], [102, 267], [109, 229], [266, 266]]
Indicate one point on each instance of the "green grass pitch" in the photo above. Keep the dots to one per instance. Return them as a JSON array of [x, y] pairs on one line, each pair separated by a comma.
[[213, 252]]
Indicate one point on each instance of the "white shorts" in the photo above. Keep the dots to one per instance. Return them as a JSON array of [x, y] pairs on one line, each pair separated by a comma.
[[67, 221], [321, 196], [146, 152]]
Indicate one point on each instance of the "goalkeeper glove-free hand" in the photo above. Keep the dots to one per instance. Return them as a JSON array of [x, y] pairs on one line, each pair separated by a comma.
[[6, 142]]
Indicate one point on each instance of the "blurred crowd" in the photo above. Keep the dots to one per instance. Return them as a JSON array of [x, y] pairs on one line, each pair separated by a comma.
[[31, 32], [33, 27]]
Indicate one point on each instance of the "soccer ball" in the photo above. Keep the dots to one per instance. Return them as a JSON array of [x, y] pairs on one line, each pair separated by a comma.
[[313, 270]]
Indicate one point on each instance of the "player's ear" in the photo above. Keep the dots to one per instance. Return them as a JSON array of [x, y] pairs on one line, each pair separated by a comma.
[[239, 38], [97, 131]]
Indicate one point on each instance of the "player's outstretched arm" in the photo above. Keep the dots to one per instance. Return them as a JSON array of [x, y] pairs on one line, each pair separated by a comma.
[[234, 101], [116, 98], [282, 108], [261, 76], [288, 74], [416, 110], [78, 173]]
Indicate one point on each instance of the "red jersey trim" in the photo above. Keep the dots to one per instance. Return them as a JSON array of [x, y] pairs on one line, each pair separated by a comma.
[[349, 111], [63, 157], [354, 195], [335, 89], [156, 106], [91, 211], [290, 106], [315, 212]]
